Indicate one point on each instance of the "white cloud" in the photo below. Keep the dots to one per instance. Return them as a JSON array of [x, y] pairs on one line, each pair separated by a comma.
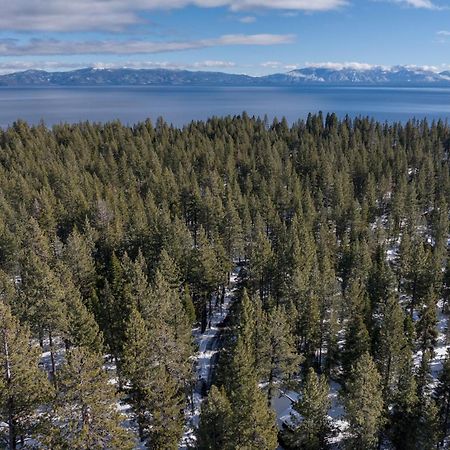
[[271, 64], [82, 15], [213, 64], [290, 5], [209, 64], [442, 37], [19, 66], [364, 66], [421, 4], [280, 66], [340, 66], [9, 47], [247, 19], [424, 68]]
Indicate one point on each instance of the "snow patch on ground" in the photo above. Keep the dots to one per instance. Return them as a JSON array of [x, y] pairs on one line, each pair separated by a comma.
[[442, 345], [283, 402], [207, 344]]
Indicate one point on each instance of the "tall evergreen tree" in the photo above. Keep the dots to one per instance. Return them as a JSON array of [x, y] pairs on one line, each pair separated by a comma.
[[282, 357], [426, 325], [253, 422], [23, 385], [85, 414], [215, 428], [443, 399], [427, 436], [313, 427], [390, 346], [77, 255], [363, 403], [166, 426], [170, 330], [154, 393], [404, 421], [41, 303], [137, 369]]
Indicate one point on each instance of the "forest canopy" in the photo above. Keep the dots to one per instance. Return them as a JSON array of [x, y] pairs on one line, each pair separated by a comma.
[[116, 242]]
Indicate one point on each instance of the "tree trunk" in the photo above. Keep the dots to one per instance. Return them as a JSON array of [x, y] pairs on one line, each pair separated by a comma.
[[11, 422], [12, 438], [269, 389], [52, 357]]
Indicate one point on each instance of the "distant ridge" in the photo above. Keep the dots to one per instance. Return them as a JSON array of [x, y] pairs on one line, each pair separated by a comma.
[[318, 76]]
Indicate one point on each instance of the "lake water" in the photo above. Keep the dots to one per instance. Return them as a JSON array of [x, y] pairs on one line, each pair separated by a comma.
[[180, 105]]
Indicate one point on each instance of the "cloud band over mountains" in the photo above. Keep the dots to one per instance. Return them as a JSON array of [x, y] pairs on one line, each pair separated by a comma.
[[10, 47]]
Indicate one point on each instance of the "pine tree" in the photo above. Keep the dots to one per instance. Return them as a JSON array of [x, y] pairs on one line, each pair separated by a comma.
[[215, 428], [232, 230], [426, 325], [404, 421], [328, 293], [443, 399], [357, 343], [167, 418], [282, 354], [260, 256], [380, 284], [188, 305], [77, 255], [169, 270], [446, 285], [256, 319], [136, 283], [154, 394], [427, 435], [390, 346], [204, 277], [418, 279], [137, 368], [41, 303], [312, 329], [332, 343], [253, 422], [23, 385], [428, 429], [116, 306], [313, 427], [83, 330], [35, 241], [85, 415], [170, 330], [363, 403]]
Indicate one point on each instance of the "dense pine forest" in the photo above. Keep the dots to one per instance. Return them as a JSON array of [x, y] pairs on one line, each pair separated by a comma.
[[315, 255]]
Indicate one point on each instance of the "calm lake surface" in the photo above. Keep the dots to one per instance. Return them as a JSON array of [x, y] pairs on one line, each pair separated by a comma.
[[180, 105]]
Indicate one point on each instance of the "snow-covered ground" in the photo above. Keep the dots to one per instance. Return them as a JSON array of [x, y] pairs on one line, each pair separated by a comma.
[[283, 401], [442, 345], [336, 415], [207, 344]]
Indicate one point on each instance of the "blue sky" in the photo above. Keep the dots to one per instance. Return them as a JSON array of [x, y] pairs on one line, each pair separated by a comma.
[[243, 36]]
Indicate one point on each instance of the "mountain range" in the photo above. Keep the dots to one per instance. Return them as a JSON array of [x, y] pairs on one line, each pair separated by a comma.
[[319, 76]]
